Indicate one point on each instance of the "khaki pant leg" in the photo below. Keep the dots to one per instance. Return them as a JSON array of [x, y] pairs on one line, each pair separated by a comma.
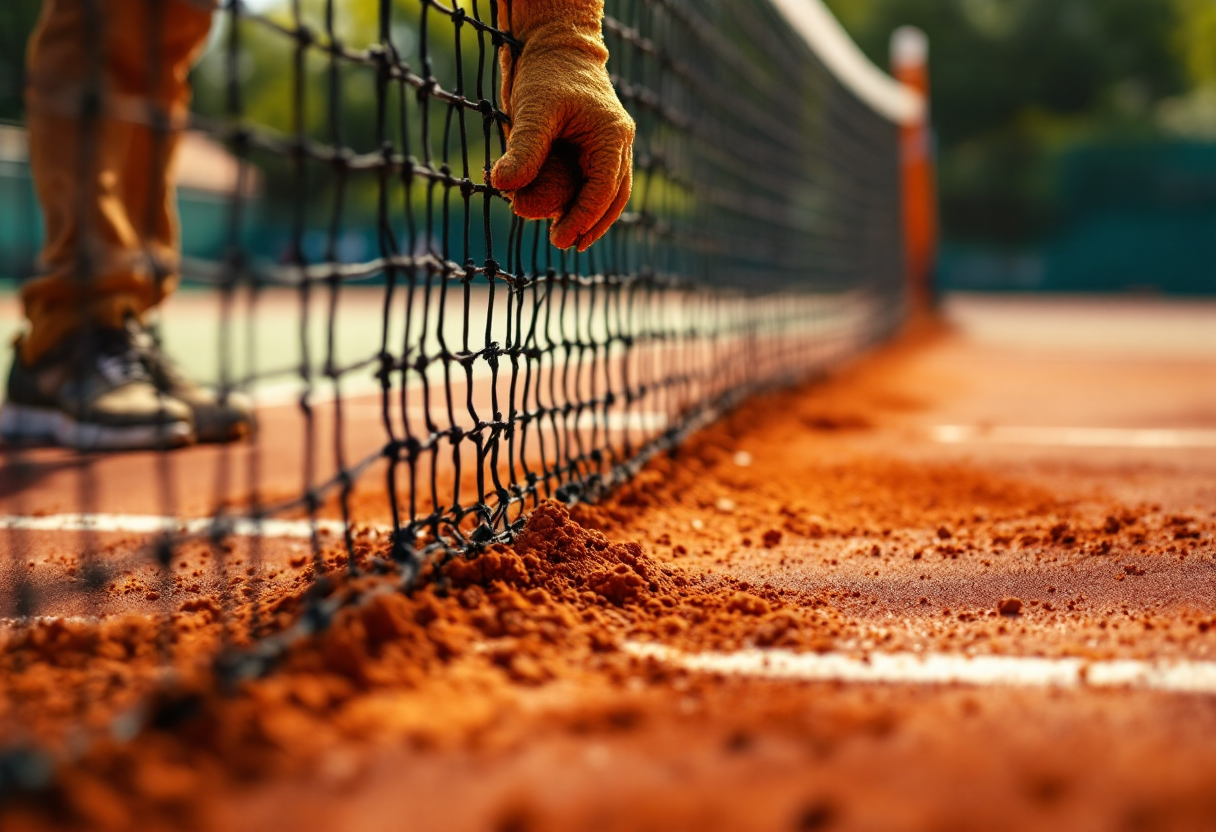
[[105, 183]]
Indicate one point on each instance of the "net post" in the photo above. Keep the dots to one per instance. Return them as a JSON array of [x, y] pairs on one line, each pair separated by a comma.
[[918, 171]]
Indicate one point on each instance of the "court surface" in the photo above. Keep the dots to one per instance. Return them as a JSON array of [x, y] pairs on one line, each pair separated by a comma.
[[1056, 451], [969, 581]]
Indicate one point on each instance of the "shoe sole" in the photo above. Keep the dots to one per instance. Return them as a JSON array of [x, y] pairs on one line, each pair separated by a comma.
[[25, 424]]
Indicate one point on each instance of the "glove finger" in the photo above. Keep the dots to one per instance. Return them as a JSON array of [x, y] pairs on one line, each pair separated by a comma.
[[603, 169], [614, 210], [532, 133], [553, 190]]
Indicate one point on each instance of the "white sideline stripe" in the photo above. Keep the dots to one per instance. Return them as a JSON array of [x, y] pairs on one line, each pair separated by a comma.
[[287, 393], [845, 60], [1077, 437], [645, 422], [152, 524], [943, 669], [623, 421]]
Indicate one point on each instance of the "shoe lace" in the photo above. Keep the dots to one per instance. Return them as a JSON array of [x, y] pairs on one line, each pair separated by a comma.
[[118, 359], [162, 368]]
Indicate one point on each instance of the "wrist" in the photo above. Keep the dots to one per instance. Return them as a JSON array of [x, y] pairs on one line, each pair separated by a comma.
[[525, 18]]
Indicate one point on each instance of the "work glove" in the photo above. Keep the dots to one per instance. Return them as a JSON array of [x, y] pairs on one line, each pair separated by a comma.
[[570, 142]]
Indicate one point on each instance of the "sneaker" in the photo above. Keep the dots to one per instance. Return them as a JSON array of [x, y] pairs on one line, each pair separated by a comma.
[[217, 418], [92, 393]]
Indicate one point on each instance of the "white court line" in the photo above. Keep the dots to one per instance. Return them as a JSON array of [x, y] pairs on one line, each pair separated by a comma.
[[1076, 437], [644, 422], [623, 421], [287, 393], [943, 669], [152, 524]]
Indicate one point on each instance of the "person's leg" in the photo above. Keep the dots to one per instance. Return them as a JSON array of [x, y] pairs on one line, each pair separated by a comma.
[[104, 179], [149, 198], [149, 172], [76, 155], [100, 72]]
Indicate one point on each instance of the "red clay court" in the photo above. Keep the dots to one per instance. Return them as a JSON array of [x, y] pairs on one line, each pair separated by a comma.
[[826, 638], [723, 523]]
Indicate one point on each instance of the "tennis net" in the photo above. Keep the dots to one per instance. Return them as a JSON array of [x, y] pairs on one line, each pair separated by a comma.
[[427, 368]]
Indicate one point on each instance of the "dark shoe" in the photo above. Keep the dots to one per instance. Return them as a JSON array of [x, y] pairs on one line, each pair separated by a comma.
[[92, 393], [216, 418]]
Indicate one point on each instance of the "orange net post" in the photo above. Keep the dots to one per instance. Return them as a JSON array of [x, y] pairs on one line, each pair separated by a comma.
[[910, 65]]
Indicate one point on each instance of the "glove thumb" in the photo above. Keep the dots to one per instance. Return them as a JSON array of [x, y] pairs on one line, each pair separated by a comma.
[[554, 189], [528, 144]]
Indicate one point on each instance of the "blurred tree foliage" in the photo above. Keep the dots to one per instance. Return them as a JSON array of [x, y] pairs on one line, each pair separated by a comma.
[[335, 104], [337, 101], [1017, 81]]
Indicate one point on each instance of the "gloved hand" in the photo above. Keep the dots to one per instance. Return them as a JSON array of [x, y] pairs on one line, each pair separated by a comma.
[[570, 143]]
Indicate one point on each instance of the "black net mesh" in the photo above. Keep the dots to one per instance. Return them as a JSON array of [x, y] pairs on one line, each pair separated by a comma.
[[434, 367]]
